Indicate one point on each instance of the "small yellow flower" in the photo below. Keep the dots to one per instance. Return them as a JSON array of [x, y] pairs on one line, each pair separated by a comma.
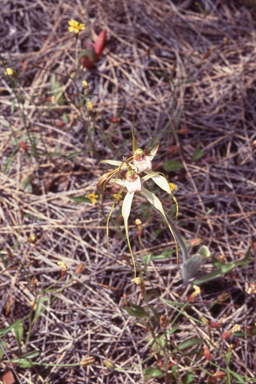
[[172, 187], [89, 105], [197, 289], [251, 289], [117, 198], [62, 265], [75, 26], [93, 197], [9, 72], [85, 84], [136, 280], [236, 328]]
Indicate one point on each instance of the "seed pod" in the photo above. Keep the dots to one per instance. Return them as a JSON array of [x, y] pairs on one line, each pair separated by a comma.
[[87, 361], [109, 364]]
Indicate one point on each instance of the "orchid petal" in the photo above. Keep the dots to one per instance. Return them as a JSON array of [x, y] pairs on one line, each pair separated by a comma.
[[116, 163], [118, 182], [126, 210], [153, 199], [154, 150], [161, 181]]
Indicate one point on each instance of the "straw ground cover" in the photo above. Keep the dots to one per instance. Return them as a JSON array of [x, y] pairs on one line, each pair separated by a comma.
[[189, 77]]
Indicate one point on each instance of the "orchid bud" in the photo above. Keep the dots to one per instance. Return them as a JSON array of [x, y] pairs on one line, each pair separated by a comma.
[[87, 361], [108, 364]]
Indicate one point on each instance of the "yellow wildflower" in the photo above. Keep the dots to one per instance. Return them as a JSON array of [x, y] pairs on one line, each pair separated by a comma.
[[136, 280], [75, 26], [89, 105], [9, 72], [172, 187], [117, 198], [197, 289], [93, 197], [62, 265], [85, 84]]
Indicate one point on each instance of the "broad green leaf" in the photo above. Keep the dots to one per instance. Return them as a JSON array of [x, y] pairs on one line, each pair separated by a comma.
[[39, 306], [153, 372], [172, 165], [213, 275], [80, 199], [189, 377], [197, 154], [138, 313], [191, 266], [190, 343]]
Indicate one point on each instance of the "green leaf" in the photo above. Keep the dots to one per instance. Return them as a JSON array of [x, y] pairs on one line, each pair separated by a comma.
[[56, 89], [8, 163], [27, 186], [189, 377], [122, 110], [23, 363], [172, 303], [138, 313], [18, 329], [154, 312], [172, 165], [190, 343], [153, 372], [6, 330], [1, 349], [39, 307], [197, 154], [246, 258], [215, 274], [191, 266], [80, 199]]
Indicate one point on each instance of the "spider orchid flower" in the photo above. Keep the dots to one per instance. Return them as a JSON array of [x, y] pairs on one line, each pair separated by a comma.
[[132, 179]]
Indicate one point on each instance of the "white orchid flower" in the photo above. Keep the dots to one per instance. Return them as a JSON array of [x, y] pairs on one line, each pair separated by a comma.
[[132, 179]]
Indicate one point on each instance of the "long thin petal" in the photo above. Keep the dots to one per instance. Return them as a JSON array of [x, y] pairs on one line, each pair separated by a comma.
[[159, 179], [153, 199], [162, 182], [154, 150], [112, 162], [126, 210]]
